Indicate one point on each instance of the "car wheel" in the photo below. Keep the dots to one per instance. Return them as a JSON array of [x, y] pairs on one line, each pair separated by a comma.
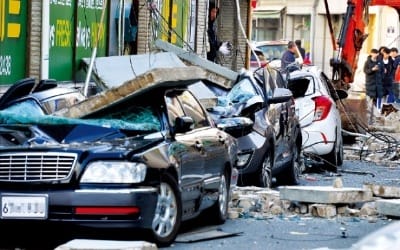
[[219, 211], [292, 177], [167, 217], [265, 175], [331, 160], [340, 154]]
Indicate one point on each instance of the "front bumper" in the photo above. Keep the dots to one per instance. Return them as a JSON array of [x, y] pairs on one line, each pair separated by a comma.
[[93, 208], [255, 146]]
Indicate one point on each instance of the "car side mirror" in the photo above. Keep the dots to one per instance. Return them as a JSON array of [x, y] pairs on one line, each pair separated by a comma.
[[183, 124], [254, 104], [236, 126], [280, 95], [341, 94]]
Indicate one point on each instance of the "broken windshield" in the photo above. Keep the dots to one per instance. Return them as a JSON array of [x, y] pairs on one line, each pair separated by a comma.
[[240, 93], [142, 118]]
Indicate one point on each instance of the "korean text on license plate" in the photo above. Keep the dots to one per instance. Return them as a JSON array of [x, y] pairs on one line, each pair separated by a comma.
[[24, 207]]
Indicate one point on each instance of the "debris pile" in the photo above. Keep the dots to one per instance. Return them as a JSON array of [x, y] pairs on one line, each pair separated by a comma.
[[369, 202]]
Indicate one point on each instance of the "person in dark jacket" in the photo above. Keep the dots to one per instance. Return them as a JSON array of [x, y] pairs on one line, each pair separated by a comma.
[[388, 75], [394, 53], [301, 49], [212, 34], [373, 69], [288, 57]]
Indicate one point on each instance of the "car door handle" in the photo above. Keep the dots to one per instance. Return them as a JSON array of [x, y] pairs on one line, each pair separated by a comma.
[[221, 139]]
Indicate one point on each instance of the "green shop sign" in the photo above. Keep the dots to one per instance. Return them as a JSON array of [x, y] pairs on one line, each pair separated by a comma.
[[74, 29], [13, 16]]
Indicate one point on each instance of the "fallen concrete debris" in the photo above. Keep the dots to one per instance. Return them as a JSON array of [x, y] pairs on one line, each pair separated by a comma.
[[383, 191], [203, 234], [135, 86], [316, 201], [389, 207], [325, 194], [86, 244]]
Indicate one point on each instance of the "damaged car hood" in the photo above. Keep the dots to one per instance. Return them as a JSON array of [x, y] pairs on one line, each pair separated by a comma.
[[22, 127]]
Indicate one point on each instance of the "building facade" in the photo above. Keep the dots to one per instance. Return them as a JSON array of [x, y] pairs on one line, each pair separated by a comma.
[[48, 38], [307, 20]]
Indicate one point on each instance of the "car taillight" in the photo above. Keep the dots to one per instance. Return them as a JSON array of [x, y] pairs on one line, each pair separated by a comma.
[[322, 107]]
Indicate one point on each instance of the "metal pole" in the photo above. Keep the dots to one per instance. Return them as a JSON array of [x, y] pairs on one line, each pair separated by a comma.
[[94, 52]]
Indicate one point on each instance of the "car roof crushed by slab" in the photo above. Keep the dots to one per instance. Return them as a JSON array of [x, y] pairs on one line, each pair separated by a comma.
[[156, 78]]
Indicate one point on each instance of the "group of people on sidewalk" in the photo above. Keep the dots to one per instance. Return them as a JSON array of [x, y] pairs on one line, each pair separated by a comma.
[[381, 85]]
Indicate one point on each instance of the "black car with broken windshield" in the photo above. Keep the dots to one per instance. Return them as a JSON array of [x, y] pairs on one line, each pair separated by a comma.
[[147, 161]]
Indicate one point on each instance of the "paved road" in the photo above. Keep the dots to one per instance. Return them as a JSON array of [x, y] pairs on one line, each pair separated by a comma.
[[305, 232], [286, 231]]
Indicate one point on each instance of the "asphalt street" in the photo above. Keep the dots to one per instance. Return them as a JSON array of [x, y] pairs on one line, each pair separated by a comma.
[[302, 231], [289, 231]]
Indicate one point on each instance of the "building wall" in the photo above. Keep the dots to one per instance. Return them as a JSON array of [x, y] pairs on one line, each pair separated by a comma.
[[229, 29], [143, 28], [34, 38], [319, 37], [201, 46]]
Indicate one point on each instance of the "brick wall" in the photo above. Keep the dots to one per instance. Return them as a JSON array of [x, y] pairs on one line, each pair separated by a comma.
[[34, 38], [228, 30]]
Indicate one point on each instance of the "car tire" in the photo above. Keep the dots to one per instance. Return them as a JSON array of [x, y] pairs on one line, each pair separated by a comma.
[[335, 158], [168, 213], [264, 176], [340, 154], [292, 177], [331, 160], [219, 211]]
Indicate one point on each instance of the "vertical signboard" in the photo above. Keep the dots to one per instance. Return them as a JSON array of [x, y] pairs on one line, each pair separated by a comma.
[[13, 15], [89, 31], [176, 13], [61, 39], [74, 29]]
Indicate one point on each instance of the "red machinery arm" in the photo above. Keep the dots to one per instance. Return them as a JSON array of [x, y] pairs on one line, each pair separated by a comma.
[[352, 36]]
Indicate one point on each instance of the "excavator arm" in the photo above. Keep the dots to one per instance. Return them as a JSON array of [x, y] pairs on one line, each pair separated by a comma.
[[351, 37]]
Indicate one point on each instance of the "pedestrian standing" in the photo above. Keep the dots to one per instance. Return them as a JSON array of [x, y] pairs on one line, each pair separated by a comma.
[[373, 69], [388, 76], [288, 57], [212, 34], [301, 49], [394, 53]]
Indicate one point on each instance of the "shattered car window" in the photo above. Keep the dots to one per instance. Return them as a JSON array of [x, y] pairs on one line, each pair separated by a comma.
[[301, 86], [136, 117], [57, 103], [241, 92]]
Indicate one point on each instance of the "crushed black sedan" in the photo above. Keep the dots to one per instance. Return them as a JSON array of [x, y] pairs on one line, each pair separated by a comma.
[[147, 157]]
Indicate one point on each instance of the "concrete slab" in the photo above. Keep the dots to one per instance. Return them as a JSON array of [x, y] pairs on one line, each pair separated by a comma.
[[88, 244], [383, 191], [324, 194], [159, 77], [389, 207]]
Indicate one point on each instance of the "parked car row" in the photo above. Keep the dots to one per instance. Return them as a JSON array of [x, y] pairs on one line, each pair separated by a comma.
[[157, 156]]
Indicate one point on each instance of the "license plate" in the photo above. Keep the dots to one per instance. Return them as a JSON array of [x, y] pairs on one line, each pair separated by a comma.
[[24, 206]]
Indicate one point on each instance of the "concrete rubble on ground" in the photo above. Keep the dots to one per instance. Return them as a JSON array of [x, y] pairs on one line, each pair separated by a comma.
[[368, 202], [88, 244], [379, 145]]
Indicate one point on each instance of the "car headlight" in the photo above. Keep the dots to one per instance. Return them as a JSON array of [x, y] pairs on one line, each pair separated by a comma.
[[243, 159], [114, 172]]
